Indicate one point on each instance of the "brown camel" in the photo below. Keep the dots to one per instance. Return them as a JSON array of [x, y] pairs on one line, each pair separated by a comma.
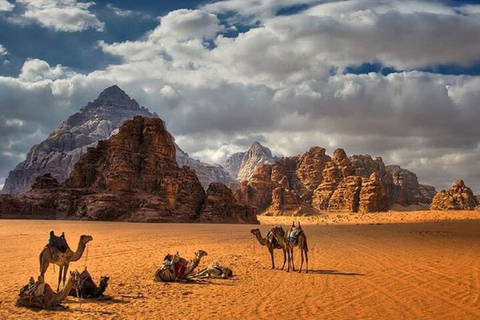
[[86, 288], [271, 243], [169, 271], [214, 271], [40, 294], [62, 259], [292, 238]]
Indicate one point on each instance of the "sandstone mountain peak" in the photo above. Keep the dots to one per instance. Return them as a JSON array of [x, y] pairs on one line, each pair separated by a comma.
[[116, 96]]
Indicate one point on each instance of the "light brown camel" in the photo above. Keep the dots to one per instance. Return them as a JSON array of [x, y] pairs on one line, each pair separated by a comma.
[[214, 271], [169, 273], [40, 294], [292, 238], [271, 244], [62, 259]]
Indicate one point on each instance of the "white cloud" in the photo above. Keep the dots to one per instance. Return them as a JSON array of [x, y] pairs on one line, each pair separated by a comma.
[[59, 15], [3, 50], [282, 84], [184, 24], [34, 70], [6, 6]]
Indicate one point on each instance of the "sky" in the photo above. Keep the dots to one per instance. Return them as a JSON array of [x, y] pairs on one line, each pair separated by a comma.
[[393, 79]]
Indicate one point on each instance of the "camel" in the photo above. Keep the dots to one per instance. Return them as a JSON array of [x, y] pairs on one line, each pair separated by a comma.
[[40, 294], [86, 288], [294, 237], [214, 271], [62, 259], [178, 269], [271, 244]]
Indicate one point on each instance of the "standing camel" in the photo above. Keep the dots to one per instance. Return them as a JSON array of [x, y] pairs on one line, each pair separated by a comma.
[[62, 259], [271, 244], [294, 237]]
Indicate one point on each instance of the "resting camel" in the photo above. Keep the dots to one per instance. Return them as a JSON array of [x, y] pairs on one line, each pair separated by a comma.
[[289, 240], [86, 288], [62, 259], [214, 271], [168, 272], [40, 294], [271, 244]]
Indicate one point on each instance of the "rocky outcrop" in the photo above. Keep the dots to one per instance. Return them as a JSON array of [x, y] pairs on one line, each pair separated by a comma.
[[96, 121], [221, 206], [458, 197], [315, 182], [58, 153], [132, 176], [242, 165]]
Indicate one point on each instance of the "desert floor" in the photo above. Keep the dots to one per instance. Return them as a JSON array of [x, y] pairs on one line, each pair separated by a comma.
[[366, 267]]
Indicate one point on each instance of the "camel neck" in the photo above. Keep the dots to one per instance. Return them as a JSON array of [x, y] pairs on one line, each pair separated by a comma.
[[79, 252], [261, 240]]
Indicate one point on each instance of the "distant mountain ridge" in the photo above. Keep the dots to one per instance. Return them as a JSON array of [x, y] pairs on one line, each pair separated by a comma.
[[97, 120]]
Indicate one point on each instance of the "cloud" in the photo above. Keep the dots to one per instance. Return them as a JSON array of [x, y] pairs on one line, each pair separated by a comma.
[[6, 6], [283, 83], [36, 70], [63, 15], [3, 50], [187, 24]]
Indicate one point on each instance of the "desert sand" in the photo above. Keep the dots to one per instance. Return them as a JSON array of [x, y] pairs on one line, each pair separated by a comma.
[[420, 265]]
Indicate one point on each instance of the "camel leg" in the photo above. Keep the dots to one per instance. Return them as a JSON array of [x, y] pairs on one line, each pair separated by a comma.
[[65, 269], [284, 258], [306, 261], [60, 270], [44, 262], [301, 263], [289, 258], [270, 249], [293, 265]]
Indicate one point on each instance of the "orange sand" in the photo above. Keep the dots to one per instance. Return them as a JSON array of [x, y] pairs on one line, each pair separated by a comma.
[[415, 270]]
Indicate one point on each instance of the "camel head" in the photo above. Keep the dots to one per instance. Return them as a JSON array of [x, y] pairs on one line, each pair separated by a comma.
[[86, 238], [200, 254], [254, 231], [104, 282]]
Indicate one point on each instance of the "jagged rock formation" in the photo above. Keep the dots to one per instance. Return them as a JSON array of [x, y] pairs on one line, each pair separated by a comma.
[[315, 182], [458, 197], [242, 164], [220, 205], [132, 176], [96, 121]]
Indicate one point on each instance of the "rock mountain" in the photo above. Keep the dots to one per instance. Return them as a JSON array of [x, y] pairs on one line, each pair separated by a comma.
[[132, 176], [96, 121], [315, 182]]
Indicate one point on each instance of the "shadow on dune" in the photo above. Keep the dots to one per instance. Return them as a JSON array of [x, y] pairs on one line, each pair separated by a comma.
[[335, 273]]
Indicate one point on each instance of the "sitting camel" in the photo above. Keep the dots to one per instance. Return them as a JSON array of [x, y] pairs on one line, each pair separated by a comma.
[[292, 238], [40, 294], [214, 271], [176, 268], [86, 288], [271, 243], [51, 254]]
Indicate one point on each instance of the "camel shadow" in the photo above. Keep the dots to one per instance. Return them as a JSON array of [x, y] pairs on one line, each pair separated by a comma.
[[102, 300], [335, 273]]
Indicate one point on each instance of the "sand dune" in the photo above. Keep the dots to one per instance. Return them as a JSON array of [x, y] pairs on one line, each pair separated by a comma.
[[417, 270]]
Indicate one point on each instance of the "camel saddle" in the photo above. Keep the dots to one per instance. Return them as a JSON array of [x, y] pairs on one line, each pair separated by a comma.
[[178, 266], [58, 243], [293, 235]]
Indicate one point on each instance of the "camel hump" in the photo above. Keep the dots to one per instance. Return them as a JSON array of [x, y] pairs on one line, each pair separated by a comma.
[[57, 242]]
